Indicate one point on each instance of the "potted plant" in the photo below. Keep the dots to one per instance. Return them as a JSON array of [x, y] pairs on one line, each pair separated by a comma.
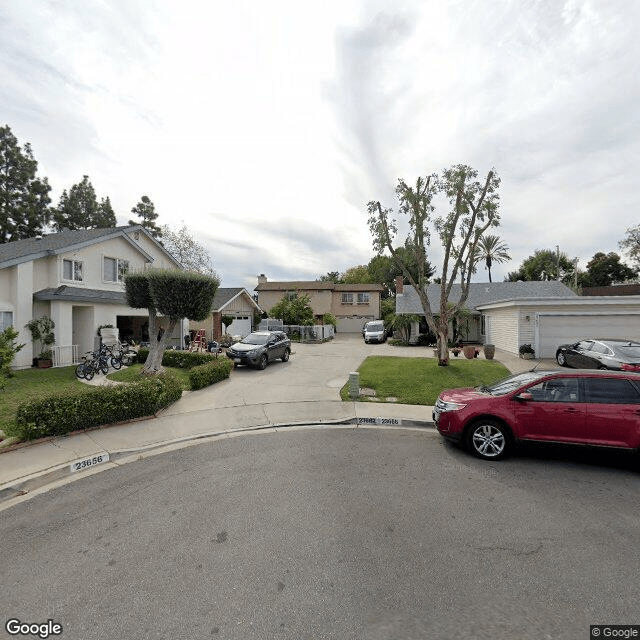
[[469, 351], [489, 351], [527, 352], [42, 329], [456, 351]]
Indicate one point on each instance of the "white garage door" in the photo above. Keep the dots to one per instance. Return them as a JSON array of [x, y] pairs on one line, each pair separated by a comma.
[[241, 326], [557, 330], [352, 324]]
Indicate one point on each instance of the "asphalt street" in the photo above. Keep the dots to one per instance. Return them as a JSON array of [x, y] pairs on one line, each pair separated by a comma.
[[331, 533]]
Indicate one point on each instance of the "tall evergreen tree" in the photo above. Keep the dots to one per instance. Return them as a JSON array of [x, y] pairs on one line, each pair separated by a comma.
[[24, 198], [79, 209], [146, 211]]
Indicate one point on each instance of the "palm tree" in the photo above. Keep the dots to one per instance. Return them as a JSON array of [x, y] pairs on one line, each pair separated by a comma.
[[491, 249]]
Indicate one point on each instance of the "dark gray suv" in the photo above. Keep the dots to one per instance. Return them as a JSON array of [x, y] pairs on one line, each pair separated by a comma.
[[260, 348]]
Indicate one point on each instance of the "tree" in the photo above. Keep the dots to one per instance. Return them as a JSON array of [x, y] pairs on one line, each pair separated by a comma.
[[491, 249], [357, 275], [384, 269], [331, 276], [146, 211], [631, 244], [174, 294], [543, 265], [605, 269], [79, 208], [187, 251], [474, 208], [294, 310], [8, 350], [24, 198], [227, 321]]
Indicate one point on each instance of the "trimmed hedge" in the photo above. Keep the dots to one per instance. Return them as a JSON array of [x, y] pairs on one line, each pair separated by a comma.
[[62, 413], [209, 373], [179, 359]]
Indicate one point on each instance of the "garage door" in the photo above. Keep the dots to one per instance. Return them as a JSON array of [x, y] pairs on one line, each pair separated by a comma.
[[560, 329], [352, 324], [241, 326]]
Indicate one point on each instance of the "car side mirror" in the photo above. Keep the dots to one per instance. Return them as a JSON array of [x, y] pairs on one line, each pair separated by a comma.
[[525, 395]]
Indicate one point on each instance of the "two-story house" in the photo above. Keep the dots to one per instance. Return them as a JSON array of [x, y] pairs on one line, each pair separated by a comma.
[[351, 304], [76, 278]]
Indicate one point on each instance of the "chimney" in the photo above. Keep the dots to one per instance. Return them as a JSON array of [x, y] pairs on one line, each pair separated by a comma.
[[262, 279], [399, 286]]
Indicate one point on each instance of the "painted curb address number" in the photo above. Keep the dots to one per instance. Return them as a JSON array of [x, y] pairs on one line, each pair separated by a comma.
[[81, 465], [394, 421]]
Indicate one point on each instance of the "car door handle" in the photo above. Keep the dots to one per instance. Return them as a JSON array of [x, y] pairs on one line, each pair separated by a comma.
[[571, 410]]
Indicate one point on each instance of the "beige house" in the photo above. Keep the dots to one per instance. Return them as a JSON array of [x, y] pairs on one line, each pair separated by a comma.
[[76, 278], [351, 304]]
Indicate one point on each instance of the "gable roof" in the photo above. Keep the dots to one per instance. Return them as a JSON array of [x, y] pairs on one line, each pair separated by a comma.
[[18, 251], [79, 294], [315, 285], [481, 293], [225, 295]]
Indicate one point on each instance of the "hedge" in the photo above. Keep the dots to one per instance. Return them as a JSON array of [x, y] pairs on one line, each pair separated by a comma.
[[179, 359], [209, 373], [62, 413]]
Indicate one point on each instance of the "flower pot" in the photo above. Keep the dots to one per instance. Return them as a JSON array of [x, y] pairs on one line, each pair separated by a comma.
[[456, 352], [527, 356], [469, 352], [44, 363], [489, 351]]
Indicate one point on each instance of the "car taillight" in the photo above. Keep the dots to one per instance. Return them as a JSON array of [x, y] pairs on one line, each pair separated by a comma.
[[630, 367]]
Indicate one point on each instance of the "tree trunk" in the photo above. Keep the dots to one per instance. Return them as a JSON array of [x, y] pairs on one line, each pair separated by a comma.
[[443, 337], [153, 365]]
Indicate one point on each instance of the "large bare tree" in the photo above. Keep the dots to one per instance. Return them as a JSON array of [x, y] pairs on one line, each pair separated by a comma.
[[474, 209]]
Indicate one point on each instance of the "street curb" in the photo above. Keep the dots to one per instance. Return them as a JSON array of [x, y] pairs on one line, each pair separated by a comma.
[[25, 486]]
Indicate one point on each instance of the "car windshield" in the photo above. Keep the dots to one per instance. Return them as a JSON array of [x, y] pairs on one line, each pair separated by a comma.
[[256, 338], [375, 326], [507, 385]]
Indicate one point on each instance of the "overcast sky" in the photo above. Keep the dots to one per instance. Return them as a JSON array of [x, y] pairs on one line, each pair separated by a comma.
[[267, 126]]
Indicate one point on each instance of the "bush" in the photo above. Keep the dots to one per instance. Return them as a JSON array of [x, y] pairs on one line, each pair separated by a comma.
[[179, 359], [526, 348], [206, 374], [61, 413], [427, 340], [226, 340]]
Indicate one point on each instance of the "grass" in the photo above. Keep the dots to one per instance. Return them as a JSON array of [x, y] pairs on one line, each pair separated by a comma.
[[132, 374], [421, 380], [30, 384]]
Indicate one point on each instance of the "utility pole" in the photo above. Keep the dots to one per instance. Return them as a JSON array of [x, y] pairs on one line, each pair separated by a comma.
[[558, 262]]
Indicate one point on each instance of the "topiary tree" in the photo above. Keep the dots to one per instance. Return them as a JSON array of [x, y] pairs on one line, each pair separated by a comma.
[[226, 321], [173, 294]]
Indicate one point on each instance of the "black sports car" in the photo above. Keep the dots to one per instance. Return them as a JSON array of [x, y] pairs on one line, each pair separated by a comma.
[[600, 354]]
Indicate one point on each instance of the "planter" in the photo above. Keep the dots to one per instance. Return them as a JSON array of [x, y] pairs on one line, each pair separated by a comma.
[[456, 352], [469, 352], [44, 363], [489, 351], [527, 356]]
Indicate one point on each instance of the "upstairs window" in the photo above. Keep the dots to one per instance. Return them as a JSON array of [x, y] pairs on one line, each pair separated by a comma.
[[115, 269], [72, 270], [363, 298], [347, 298], [6, 319], [291, 295]]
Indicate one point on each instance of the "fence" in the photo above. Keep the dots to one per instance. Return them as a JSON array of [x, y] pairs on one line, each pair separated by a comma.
[[65, 356], [299, 333]]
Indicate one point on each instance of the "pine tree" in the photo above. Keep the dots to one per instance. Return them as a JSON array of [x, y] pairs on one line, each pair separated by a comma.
[[146, 211], [79, 209]]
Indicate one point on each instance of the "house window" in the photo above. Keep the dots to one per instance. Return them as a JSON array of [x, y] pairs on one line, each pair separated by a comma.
[[115, 269], [363, 298], [6, 319], [291, 295], [483, 325], [347, 298], [72, 270]]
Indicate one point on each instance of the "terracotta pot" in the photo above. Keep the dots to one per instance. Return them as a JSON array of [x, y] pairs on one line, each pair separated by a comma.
[[489, 351], [469, 352]]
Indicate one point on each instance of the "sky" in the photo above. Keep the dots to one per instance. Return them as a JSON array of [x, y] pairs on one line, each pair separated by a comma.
[[266, 127]]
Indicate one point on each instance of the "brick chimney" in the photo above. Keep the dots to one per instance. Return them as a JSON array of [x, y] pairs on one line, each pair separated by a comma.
[[399, 286], [262, 279]]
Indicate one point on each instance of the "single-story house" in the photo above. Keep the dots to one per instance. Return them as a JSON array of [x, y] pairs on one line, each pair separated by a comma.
[[77, 279], [351, 304], [235, 302], [543, 314]]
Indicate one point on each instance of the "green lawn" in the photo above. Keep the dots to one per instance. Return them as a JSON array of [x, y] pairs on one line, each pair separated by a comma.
[[132, 374], [29, 384], [420, 380]]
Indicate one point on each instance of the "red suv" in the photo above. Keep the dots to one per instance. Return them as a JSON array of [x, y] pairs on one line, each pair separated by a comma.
[[582, 407]]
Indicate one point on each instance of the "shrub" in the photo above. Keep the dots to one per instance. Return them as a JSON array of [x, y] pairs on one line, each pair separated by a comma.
[[179, 359], [209, 373], [8, 351], [61, 413], [426, 340], [526, 348], [226, 340]]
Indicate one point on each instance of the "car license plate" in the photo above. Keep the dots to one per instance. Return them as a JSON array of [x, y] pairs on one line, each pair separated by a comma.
[[237, 360]]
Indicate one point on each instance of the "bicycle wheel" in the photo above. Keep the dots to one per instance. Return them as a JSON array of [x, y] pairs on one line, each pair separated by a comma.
[[88, 371], [104, 366], [116, 363], [80, 370]]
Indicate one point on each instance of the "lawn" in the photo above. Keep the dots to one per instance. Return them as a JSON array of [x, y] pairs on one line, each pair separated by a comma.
[[420, 380], [132, 374], [29, 384]]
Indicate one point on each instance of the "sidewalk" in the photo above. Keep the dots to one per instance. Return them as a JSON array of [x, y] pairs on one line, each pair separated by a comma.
[[195, 416]]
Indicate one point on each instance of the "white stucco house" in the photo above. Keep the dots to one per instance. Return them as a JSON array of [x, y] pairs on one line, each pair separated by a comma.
[[543, 314], [76, 278]]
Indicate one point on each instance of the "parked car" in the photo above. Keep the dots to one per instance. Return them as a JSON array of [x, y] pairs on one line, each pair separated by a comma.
[[619, 355], [259, 348], [374, 331], [581, 407]]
